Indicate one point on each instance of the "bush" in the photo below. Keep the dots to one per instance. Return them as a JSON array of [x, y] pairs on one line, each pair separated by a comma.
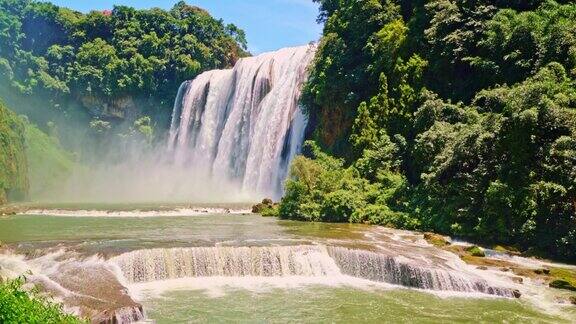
[[20, 306]]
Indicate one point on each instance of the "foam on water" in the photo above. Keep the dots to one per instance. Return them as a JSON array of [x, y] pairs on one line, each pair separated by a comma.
[[243, 125], [178, 212], [294, 261]]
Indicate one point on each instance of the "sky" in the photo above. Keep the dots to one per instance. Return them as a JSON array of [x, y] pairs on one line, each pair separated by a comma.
[[269, 24]]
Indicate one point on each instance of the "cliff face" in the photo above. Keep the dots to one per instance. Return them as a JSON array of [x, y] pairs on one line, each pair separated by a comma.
[[119, 108], [13, 164]]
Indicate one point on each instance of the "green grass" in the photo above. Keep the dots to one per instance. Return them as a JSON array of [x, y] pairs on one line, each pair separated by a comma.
[[20, 306], [48, 164]]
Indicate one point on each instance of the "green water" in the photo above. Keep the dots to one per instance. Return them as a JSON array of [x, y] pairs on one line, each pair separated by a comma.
[[318, 304], [108, 236]]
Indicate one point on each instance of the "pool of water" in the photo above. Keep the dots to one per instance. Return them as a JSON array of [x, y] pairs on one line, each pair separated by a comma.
[[323, 304]]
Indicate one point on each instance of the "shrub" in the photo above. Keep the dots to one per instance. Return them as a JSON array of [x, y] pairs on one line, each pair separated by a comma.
[[20, 306]]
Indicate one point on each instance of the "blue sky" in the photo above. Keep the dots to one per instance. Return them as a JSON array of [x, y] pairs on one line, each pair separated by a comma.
[[269, 24]]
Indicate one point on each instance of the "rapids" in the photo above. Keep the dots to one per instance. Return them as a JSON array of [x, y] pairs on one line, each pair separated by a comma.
[[137, 264]]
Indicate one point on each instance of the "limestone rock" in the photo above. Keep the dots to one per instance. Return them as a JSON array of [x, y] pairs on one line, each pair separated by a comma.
[[437, 239], [120, 108]]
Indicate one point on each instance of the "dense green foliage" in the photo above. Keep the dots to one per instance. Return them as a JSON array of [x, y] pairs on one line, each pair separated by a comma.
[[112, 58], [31, 162], [13, 161], [455, 116], [20, 306]]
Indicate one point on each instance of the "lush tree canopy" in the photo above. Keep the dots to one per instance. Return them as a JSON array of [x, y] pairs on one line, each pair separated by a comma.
[[13, 162], [65, 55], [450, 115]]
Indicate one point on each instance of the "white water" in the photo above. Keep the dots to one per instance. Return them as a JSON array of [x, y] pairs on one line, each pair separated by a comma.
[[294, 261], [244, 125], [176, 212]]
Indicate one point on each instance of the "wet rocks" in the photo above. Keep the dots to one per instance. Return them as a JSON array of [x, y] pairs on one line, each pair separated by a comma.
[[562, 284], [101, 299], [130, 314], [265, 204], [475, 251], [572, 300], [266, 208], [437, 239], [517, 280], [516, 293], [542, 271]]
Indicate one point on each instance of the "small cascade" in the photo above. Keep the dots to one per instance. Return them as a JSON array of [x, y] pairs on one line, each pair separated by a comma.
[[383, 268], [284, 261], [63, 275], [243, 126], [162, 264]]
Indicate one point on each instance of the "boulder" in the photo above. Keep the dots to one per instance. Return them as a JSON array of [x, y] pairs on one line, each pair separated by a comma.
[[475, 251], [518, 280], [572, 300], [437, 239], [542, 271], [562, 284], [263, 206]]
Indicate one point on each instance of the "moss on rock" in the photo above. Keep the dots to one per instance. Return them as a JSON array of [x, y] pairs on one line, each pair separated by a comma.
[[476, 251], [562, 284], [436, 239]]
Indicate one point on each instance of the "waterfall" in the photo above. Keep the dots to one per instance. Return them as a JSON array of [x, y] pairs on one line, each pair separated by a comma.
[[285, 261], [161, 264], [243, 125], [378, 267]]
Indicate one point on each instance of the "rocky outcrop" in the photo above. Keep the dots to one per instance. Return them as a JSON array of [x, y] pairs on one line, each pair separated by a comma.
[[562, 284], [265, 204], [101, 299], [437, 239], [118, 108]]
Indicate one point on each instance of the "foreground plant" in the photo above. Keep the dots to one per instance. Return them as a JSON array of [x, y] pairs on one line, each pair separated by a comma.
[[17, 305]]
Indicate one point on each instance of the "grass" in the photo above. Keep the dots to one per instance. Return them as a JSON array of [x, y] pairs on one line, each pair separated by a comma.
[[48, 164]]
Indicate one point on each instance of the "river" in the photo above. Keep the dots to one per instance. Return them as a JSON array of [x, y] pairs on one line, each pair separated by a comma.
[[223, 264]]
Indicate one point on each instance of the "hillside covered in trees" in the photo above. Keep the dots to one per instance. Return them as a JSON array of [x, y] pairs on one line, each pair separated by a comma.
[[455, 116], [118, 64], [87, 81]]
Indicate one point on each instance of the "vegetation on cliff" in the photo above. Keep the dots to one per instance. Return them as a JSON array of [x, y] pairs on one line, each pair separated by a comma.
[[110, 61], [453, 116], [13, 160], [31, 162]]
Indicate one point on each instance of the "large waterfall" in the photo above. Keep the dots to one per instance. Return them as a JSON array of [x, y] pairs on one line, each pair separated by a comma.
[[243, 126]]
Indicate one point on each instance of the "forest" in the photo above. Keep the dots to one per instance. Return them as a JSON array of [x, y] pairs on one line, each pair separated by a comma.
[[83, 82], [453, 116], [117, 64]]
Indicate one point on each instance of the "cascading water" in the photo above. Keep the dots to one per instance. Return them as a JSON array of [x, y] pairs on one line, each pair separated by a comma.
[[285, 261], [243, 125]]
